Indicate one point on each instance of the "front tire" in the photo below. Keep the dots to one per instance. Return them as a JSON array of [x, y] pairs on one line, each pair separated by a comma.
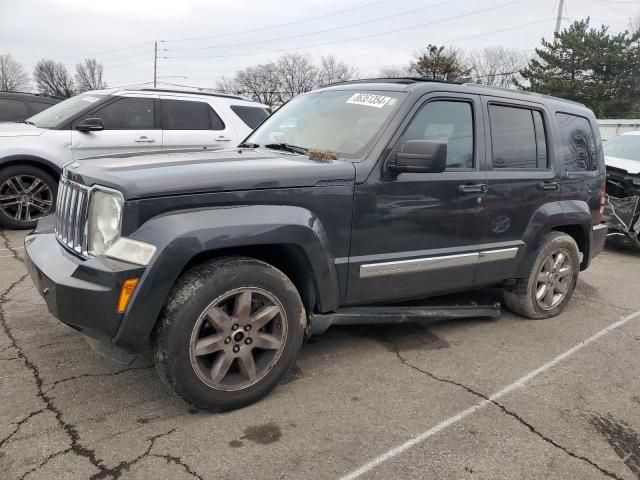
[[231, 330], [27, 193], [550, 282]]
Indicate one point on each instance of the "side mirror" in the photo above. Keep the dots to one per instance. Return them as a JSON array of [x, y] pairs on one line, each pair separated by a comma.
[[421, 156], [90, 125]]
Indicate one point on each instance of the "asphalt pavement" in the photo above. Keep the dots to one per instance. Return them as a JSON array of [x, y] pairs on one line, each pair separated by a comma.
[[474, 399]]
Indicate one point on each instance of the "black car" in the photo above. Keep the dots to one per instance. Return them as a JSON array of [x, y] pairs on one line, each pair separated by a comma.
[[17, 107], [345, 202]]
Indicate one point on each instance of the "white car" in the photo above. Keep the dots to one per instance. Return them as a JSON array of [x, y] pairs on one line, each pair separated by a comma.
[[106, 122]]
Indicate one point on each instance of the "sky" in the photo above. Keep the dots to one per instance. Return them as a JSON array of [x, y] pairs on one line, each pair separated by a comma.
[[202, 40]]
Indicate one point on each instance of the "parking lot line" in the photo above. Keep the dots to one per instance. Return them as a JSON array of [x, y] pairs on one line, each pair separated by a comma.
[[518, 384]]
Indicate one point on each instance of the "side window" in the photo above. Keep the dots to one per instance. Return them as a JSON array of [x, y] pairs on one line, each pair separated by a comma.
[[127, 114], [577, 143], [446, 121], [251, 116], [12, 110], [518, 138], [38, 107], [187, 115]]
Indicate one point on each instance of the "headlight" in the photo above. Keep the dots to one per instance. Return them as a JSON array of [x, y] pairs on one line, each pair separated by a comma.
[[105, 217], [132, 251]]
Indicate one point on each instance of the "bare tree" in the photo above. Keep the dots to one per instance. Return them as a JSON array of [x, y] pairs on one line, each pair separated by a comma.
[[228, 85], [297, 75], [440, 63], [52, 78], [498, 66], [89, 76], [12, 75], [634, 23], [393, 72], [331, 70], [261, 83]]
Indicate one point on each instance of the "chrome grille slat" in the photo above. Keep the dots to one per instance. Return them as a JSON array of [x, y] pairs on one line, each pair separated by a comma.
[[71, 212]]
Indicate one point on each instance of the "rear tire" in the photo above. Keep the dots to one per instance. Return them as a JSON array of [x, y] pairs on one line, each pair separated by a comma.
[[231, 330], [27, 193], [550, 281]]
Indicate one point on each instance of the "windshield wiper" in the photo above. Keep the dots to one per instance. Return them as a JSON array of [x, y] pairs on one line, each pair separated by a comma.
[[29, 122], [287, 147], [248, 145]]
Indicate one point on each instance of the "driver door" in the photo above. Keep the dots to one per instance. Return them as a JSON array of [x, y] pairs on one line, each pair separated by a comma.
[[130, 125], [418, 234]]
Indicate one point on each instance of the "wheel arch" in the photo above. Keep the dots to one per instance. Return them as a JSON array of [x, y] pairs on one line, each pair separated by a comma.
[[290, 238], [571, 217], [34, 161]]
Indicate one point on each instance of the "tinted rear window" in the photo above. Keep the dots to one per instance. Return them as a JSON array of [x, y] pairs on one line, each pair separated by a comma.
[[37, 107], [577, 143], [12, 110], [251, 116], [187, 115], [517, 137]]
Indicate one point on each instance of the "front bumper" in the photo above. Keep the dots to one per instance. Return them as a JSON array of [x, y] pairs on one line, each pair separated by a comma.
[[80, 293]]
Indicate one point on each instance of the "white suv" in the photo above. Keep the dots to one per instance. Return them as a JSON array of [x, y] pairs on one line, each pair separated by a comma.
[[105, 122]]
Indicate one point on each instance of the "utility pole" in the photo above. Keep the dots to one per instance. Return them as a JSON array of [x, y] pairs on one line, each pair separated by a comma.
[[155, 63], [558, 21]]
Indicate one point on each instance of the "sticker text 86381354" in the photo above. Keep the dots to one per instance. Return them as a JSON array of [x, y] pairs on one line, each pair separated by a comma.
[[368, 99]]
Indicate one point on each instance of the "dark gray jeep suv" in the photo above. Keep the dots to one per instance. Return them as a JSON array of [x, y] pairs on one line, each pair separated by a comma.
[[344, 203]]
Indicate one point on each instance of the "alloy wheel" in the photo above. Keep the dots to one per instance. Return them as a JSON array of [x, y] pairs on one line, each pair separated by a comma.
[[554, 279], [238, 338], [25, 198]]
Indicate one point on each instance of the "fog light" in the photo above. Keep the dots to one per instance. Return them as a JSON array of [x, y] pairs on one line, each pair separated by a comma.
[[128, 287]]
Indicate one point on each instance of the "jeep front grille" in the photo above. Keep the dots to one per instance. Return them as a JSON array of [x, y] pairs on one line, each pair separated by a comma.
[[71, 213]]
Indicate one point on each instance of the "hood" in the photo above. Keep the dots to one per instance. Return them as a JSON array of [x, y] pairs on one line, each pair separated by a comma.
[[205, 171], [11, 129], [631, 166]]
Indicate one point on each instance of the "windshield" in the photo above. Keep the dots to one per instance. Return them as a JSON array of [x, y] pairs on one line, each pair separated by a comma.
[[344, 122], [623, 146], [61, 112]]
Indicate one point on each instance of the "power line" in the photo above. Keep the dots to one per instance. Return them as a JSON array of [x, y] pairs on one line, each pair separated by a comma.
[[298, 35], [410, 27], [220, 72], [84, 55], [294, 22]]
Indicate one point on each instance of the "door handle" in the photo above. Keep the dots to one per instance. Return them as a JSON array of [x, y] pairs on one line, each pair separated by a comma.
[[474, 188], [144, 139], [222, 138], [549, 186]]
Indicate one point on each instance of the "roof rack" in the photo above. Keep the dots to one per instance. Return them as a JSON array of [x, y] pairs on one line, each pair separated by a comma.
[[199, 92], [522, 92], [398, 80]]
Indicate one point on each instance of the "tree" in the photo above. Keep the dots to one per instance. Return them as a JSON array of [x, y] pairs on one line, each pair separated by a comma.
[[393, 72], [590, 66], [261, 83], [440, 63], [331, 70], [12, 76], [53, 79], [89, 76], [297, 74], [497, 66]]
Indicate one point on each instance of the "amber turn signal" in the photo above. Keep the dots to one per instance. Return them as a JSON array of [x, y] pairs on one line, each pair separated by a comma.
[[128, 287]]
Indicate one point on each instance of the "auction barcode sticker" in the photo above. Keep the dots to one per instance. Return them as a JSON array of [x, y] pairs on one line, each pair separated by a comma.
[[377, 101]]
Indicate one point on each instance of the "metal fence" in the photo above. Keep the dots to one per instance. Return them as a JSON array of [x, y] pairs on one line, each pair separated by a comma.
[[612, 127]]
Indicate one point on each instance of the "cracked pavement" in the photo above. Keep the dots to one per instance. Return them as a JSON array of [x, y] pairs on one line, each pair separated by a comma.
[[66, 413]]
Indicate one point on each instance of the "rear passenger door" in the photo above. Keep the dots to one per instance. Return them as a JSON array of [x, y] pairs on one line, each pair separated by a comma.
[[193, 123], [522, 176]]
